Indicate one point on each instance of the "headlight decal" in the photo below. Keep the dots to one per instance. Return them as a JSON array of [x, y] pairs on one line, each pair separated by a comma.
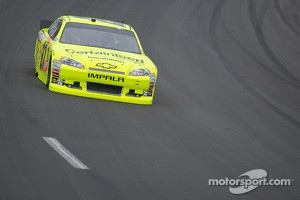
[[71, 62], [139, 72], [41, 36]]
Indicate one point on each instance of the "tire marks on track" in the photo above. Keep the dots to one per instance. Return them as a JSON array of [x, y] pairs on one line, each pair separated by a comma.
[[284, 19], [257, 26]]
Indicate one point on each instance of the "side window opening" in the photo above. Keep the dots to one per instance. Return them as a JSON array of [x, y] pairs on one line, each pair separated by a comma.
[[54, 28]]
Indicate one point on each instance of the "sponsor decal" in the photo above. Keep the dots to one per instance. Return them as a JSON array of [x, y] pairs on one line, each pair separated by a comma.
[[103, 53], [152, 81], [147, 93], [55, 72], [106, 58], [105, 77]]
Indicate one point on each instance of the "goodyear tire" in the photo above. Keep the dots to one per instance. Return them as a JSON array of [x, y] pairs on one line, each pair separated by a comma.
[[49, 74]]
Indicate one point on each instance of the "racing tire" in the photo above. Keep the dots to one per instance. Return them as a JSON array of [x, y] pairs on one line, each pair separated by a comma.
[[49, 74]]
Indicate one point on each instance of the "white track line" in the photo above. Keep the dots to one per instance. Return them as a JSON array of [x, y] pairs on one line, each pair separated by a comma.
[[65, 153]]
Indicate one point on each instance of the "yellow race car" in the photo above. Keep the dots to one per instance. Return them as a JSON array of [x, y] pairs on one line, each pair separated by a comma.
[[94, 58]]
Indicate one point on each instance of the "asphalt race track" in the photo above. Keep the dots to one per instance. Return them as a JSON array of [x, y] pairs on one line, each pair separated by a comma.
[[227, 102]]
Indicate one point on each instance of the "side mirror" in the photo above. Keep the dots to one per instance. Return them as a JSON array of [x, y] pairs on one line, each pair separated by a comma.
[[45, 23]]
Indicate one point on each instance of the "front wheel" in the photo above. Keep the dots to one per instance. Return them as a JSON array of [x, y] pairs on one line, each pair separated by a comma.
[[49, 74], [36, 73]]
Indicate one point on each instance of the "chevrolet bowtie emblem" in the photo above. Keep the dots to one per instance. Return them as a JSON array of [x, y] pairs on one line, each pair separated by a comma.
[[106, 65]]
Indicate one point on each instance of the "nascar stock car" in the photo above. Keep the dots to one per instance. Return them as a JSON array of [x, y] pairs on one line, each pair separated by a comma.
[[94, 58]]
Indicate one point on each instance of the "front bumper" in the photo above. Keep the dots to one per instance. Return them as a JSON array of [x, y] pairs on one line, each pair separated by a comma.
[[106, 86]]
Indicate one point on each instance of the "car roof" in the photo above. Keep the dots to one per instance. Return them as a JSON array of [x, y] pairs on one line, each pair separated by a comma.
[[96, 21]]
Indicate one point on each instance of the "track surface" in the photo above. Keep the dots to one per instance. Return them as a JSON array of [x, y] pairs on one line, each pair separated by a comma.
[[227, 101]]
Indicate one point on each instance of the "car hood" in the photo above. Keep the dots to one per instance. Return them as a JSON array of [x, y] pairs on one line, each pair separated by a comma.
[[102, 58]]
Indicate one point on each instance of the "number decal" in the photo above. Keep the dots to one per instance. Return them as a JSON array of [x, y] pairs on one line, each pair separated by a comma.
[[44, 57]]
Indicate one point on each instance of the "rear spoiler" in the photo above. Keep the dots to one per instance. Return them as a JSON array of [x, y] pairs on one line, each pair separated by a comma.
[[45, 23]]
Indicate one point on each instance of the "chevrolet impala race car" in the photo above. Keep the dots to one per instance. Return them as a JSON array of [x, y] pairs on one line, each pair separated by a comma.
[[94, 58]]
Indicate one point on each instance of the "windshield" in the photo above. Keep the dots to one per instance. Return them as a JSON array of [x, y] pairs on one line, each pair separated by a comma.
[[100, 36]]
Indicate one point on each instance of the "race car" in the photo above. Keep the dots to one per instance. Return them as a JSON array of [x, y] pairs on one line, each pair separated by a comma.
[[94, 58]]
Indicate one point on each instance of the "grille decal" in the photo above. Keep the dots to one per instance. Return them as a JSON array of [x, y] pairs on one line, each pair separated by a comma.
[[106, 70]]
